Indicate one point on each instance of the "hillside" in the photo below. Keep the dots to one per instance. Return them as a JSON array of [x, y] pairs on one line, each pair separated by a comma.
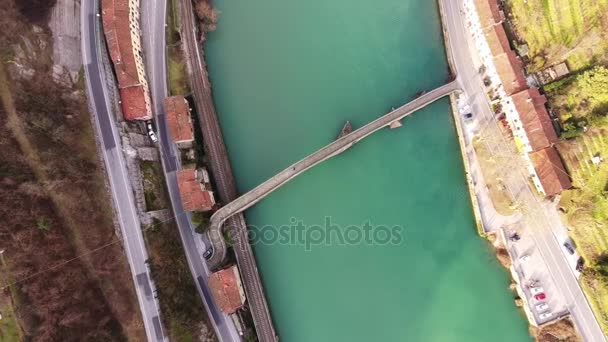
[[63, 270], [576, 32]]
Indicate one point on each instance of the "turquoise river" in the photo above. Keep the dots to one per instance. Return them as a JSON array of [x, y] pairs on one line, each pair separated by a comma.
[[287, 74]]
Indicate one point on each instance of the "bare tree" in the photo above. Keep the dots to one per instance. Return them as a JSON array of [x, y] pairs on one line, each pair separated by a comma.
[[207, 15]]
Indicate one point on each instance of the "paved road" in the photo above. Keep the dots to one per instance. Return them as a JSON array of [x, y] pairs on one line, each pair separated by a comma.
[[536, 216], [153, 16], [222, 174], [258, 193], [122, 193]]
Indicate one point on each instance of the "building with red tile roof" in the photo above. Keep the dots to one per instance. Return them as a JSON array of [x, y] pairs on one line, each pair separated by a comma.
[[227, 289], [489, 12], [510, 70], [530, 105], [497, 40], [179, 120], [551, 171], [193, 192], [120, 20]]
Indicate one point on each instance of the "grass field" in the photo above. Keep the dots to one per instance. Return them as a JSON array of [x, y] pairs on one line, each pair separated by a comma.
[[503, 203], [562, 30], [586, 209], [9, 325], [177, 73]]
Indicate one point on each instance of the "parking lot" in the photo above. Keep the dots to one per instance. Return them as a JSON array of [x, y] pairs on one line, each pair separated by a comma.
[[533, 276]]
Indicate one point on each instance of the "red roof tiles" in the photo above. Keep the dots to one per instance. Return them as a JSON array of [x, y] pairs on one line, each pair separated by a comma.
[[497, 40], [179, 119], [530, 105], [510, 70], [133, 103], [123, 50], [227, 289], [489, 12], [193, 194], [551, 171]]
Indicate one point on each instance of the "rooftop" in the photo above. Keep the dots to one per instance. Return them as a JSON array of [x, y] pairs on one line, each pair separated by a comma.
[[551, 171], [510, 70], [489, 12], [115, 17], [227, 289], [530, 105], [192, 192], [123, 49], [179, 119], [497, 40], [133, 102]]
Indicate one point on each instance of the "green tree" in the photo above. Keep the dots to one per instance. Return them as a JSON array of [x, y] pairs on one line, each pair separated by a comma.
[[593, 85]]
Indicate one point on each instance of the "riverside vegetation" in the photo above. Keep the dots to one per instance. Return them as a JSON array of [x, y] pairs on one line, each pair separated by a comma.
[[576, 32]]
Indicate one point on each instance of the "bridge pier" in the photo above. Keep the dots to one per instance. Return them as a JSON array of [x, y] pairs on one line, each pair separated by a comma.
[[395, 124]]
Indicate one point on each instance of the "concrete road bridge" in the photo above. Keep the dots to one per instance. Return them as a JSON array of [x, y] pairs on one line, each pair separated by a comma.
[[250, 198]]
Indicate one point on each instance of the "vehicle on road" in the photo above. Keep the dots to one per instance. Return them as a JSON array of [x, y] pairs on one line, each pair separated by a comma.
[[151, 132], [468, 116], [540, 296], [569, 248], [514, 237], [545, 315], [536, 290], [541, 307], [208, 253], [524, 258]]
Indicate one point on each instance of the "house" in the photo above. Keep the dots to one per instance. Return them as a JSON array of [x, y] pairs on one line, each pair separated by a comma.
[[530, 105], [552, 73], [179, 120], [120, 21], [193, 190], [551, 171], [510, 71], [497, 40], [227, 289], [489, 12]]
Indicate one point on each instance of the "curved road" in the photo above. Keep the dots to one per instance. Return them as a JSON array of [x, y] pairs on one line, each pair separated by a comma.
[[153, 23], [122, 193], [256, 194]]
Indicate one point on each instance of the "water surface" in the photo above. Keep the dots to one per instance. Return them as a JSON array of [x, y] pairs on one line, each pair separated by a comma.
[[286, 75]]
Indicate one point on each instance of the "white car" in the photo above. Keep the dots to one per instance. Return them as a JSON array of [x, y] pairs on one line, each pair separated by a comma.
[[152, 136], [151, 132], [524, 258], [545, 315], [541, 307], [536, 290]]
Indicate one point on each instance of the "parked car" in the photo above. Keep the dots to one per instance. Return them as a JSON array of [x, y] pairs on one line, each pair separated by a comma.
[[152, 136], [514, 237], [536, 290], [151, 132], [540, 296], [541, 307], [569, 248], [468, 116], [545, 315], [524, 258], [208, 253]]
